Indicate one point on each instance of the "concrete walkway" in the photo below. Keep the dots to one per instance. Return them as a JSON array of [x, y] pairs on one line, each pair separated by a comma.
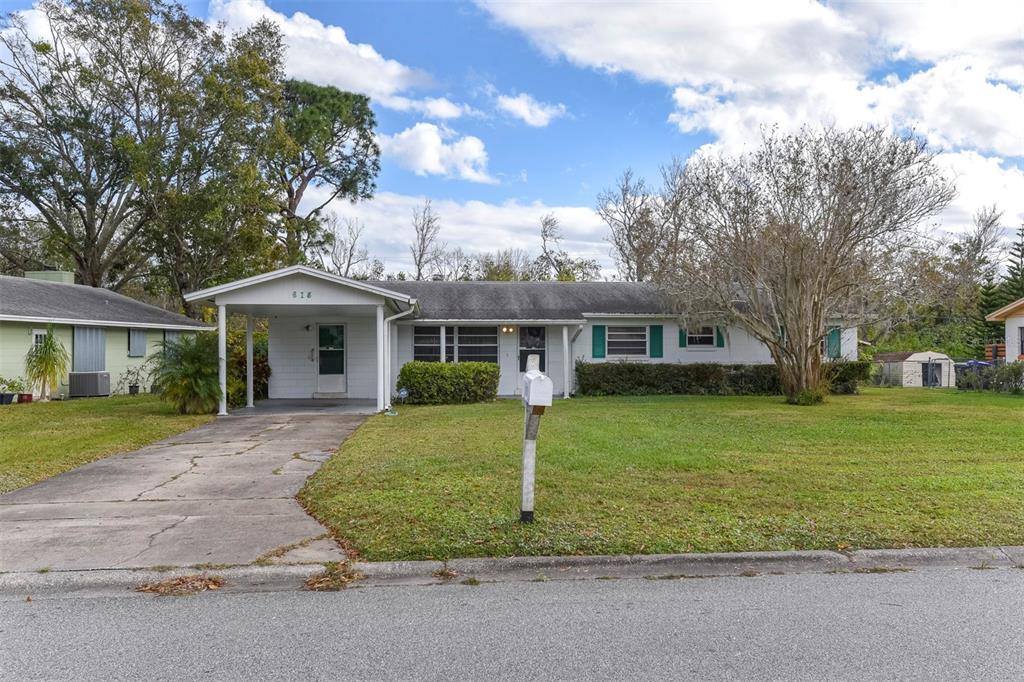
[[222, 493]]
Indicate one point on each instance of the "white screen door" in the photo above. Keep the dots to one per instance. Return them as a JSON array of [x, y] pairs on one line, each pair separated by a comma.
[[330, 358]]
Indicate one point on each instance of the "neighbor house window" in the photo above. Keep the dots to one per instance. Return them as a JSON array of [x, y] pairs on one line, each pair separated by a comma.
[[89, 349], [38, 336], [532, 341], [627, 340], [1020, 338], [701, 336], [462, 344], [136, 343]]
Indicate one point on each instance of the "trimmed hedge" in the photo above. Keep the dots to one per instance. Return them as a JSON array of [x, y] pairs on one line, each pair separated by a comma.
[[439, 383], [640, 378]]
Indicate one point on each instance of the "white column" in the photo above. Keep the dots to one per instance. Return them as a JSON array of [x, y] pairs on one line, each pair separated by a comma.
[[380, 358], [222, 357], [248, 361], [442, 343], [566, 362]]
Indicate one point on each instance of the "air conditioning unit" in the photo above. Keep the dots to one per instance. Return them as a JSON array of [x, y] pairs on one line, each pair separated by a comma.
[[85, 384]]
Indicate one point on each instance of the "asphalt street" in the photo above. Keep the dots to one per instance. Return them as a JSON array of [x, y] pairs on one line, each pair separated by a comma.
[[931, 624]]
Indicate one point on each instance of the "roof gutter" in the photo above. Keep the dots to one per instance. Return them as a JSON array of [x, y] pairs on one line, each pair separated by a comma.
[[413, 307], [104, 323]]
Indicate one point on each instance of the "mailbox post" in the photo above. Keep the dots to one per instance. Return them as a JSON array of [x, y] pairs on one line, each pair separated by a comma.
[[537, 392]]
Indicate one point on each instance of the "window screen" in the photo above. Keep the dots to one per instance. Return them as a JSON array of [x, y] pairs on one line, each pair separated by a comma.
[[136, 343], [90, 350], [627, 340], [702, 336], [476, 344]]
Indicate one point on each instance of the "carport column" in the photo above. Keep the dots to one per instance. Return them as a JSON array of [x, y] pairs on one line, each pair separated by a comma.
[[248, 361], [566, 360], [222, 357], [380, 358]]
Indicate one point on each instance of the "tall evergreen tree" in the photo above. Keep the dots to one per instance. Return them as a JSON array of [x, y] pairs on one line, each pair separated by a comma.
[[1012, 286]]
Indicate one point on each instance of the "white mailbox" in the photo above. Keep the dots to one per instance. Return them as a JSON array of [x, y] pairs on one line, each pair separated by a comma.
[[537, 389]]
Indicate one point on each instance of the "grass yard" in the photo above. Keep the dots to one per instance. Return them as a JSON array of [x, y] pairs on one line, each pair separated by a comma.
[[889, 468], [40, 440]]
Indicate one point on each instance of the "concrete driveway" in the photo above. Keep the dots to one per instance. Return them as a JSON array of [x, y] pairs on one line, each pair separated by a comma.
[[222, 493]]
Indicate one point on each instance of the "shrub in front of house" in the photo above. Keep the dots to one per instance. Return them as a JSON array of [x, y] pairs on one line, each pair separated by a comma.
[[640, 378], [439, 383], [186, 373], [1008, 378], [236, 367], [845, 377]]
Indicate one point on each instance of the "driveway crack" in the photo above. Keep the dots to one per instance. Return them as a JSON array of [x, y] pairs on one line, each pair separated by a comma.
[[153, 536], [192, 464]]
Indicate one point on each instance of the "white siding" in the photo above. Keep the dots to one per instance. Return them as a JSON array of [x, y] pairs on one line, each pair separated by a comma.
[[290, 346], [1013, 326], [740, 347]]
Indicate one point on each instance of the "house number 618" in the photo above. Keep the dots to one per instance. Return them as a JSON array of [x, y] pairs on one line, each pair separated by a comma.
[[302, 294]]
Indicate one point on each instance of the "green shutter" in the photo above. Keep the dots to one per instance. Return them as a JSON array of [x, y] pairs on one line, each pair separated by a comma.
[[719, 338], [656, 340], [597, 336], [682, 338], [833, 346]]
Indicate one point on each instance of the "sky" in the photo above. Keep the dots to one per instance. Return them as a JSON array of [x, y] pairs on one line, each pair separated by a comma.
[[500, 112]]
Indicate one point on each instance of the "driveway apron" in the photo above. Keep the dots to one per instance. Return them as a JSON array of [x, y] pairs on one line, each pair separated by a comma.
[[223, 493]]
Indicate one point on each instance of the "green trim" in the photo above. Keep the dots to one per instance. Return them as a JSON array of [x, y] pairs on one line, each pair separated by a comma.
[[682, 338], [597, 335], [834, 343], [656, 337], [719, 338]]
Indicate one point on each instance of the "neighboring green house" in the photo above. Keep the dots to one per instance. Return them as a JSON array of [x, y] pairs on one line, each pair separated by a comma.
[[105, 333]]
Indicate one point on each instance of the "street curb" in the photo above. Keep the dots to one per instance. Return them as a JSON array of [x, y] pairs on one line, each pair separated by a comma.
[[521, 569]]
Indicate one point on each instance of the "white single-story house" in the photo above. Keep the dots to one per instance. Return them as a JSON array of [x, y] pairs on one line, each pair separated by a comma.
[[333, 337], [104, 332], [926, 369], [1012, 316]]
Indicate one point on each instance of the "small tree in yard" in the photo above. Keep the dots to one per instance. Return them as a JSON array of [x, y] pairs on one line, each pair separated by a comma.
[[187, 374], [812, 226], [45, 364]]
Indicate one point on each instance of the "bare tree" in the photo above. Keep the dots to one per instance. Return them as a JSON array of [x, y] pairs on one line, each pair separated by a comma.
[[425, 248], [633, 215], [808, 229], [344, 248], [555, 263], [453, 265]]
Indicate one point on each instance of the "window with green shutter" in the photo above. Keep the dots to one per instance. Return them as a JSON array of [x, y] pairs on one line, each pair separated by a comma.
[[719, 338], [597, 335], [682, 338], [656, 340], [833, 343]]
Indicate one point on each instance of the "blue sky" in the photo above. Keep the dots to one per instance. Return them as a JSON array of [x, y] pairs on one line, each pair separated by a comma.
[[501, 112]]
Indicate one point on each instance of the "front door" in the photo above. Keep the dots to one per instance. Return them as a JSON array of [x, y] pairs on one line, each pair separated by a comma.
[[330, 358]]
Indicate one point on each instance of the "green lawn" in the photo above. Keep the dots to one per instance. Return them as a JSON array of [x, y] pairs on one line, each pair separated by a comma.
[[39, 440], [889, 468]]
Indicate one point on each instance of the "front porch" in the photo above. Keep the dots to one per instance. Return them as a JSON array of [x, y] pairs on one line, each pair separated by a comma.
[[329, 338]]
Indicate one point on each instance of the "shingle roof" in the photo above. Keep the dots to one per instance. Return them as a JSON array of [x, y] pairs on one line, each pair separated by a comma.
[[529, 300], [32, 298]]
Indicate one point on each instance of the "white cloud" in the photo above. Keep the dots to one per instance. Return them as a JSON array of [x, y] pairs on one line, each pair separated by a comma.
[[474, 226], [427, 149], [982, 181], [530, 111], [733, 69], [322, 53]]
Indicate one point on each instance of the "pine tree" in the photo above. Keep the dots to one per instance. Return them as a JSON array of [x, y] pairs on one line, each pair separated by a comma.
[[1012, 286], [989, 299]]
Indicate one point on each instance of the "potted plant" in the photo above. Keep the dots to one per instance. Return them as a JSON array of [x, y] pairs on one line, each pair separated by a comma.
[[18, 388], [46, 363], [133, 378], [6, 395]]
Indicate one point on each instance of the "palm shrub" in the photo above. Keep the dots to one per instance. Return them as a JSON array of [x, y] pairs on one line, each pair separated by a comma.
[[46, 364], [186, 373]]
